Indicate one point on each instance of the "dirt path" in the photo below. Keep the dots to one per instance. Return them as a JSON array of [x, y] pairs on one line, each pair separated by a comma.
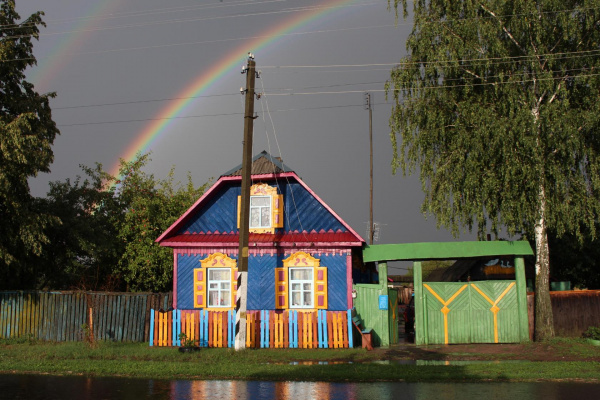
[[556, 350]]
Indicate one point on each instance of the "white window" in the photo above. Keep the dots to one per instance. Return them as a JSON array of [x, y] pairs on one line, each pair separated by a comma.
[[260, 212], [301, 288], [219, 287]]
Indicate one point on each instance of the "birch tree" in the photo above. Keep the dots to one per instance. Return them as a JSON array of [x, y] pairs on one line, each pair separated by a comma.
[[497, 106]]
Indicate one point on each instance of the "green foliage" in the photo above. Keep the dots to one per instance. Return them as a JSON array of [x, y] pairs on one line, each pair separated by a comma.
[[27, 133], [83, 247], [185, 342], [592, 332], [151, 206], [103, 231], [496, 100], [497, 105], [574, 260]]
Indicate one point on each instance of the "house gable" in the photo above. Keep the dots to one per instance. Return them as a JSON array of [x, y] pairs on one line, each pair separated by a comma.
[[216, 211]]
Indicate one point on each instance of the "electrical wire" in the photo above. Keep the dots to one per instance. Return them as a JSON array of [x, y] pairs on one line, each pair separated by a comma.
[[290, 91], [197, 19], [128, 49], [569, 54], [435, 87], [143, 101], [281, 156]]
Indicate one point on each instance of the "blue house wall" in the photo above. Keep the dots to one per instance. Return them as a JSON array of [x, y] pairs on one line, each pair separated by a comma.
[[302, 211], [261, 280]]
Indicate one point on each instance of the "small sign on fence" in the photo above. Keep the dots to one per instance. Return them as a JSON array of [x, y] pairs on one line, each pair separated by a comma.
[[383, 301]]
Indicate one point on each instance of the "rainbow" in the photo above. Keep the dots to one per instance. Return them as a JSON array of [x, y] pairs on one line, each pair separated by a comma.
[[61, 55], [162, 120]]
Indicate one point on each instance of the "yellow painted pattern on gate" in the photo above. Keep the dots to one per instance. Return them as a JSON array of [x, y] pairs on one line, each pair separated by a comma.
[[495, 307], [445, 310]]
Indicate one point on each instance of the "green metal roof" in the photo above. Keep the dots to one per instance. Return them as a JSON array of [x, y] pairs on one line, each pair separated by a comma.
[[445, 250]]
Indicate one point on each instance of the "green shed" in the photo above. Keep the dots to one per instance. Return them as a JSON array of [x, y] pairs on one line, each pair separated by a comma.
[[492, 311]]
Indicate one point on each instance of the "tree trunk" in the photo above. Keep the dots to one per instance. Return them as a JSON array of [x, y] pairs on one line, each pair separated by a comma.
[[544, 320]]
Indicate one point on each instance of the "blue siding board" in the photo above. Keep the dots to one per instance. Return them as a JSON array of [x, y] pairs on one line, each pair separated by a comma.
[[185, 280], [261, 282], [302, 211], [336, 281], [219, 213]]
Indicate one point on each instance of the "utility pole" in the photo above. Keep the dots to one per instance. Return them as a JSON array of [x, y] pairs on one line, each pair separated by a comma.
[[242, 280], [370, 108]]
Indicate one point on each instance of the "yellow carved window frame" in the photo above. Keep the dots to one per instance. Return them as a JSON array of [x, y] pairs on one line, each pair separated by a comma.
[[301, 259], [201, 281]]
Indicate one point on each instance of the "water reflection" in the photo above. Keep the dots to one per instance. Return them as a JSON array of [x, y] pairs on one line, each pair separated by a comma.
[[33, 387]]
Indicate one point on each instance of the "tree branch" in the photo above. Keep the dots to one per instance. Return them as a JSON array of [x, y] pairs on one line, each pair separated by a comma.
[[557, 89], [504, 29], [479, 50]]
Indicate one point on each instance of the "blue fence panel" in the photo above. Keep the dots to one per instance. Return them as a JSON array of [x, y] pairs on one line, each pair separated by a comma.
[[293, 333], [151, 327], [231, 328], [322, 329], [264, 329], [350, 341], [203, 341]]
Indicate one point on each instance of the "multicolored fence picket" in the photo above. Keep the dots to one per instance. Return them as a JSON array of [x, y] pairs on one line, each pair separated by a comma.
[[264, 329], [204, 328]]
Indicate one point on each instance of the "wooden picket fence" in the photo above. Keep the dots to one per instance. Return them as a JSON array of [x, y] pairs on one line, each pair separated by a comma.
[[204, 328], [264, 328], [72, 315]]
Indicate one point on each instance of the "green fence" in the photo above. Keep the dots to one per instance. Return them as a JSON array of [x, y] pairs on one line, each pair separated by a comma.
[[61, 316], [470, 312], [383, 320]]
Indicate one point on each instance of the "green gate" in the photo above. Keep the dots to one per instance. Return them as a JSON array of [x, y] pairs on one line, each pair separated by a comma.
[[463, 312], [475, 312]]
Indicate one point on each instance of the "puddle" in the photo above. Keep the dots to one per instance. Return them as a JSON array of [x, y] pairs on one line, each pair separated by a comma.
[[403, 362], [443, 362]]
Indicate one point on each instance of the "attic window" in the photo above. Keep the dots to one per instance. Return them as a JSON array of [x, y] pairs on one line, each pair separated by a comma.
[[266, 209], [260, 212]]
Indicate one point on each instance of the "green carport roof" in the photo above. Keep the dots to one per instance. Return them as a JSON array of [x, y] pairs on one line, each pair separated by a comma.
[[445, 250]]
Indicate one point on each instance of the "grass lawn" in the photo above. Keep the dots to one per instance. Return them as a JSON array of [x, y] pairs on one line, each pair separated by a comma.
[[140, 360]]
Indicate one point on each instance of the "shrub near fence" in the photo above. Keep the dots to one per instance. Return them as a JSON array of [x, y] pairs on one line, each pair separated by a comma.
[[60, 316], [264, 328]]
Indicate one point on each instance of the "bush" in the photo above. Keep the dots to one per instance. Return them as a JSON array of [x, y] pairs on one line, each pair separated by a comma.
[[593, 332]]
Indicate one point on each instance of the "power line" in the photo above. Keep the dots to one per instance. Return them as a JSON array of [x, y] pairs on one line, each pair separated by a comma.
[[435, 87], [217, 41], [271, 91], [143, 101], [243, 3], [569, 54], [210, 115], [319, 93], [163, 11], [198, 19], [197, 97], [462, 63]]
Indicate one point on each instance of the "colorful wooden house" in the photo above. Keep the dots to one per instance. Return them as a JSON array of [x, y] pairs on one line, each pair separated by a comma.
[[300, 250]]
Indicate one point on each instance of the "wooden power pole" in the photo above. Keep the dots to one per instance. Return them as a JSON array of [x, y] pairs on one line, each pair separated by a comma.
[[242, 280], [368, 105]]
